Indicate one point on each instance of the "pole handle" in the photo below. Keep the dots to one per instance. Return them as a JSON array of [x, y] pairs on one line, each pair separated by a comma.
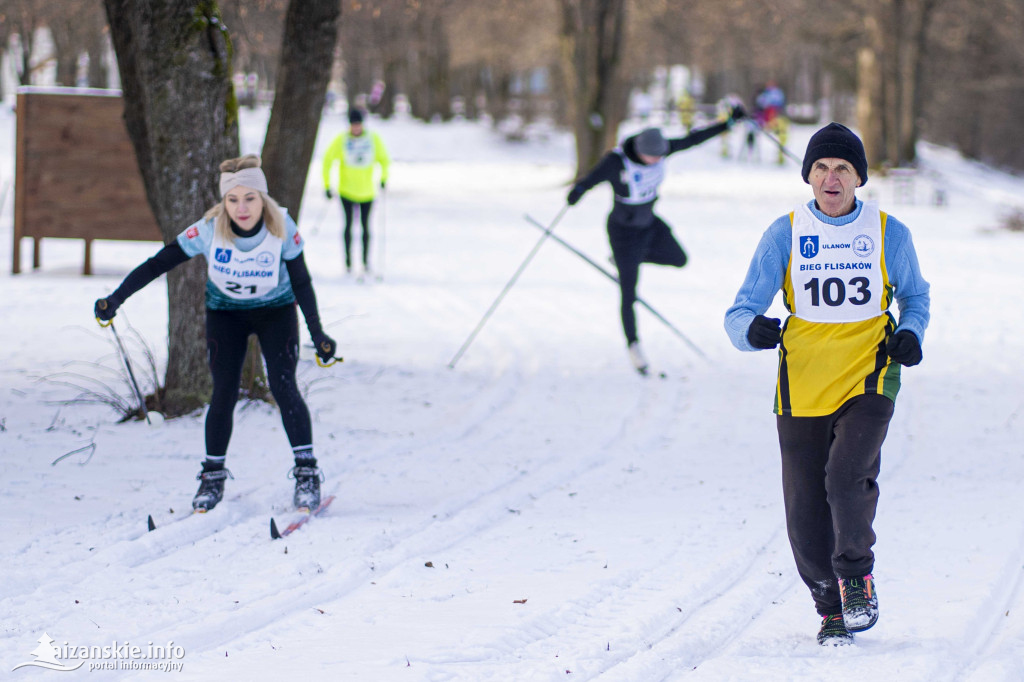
[[103, 305], [333, 361]]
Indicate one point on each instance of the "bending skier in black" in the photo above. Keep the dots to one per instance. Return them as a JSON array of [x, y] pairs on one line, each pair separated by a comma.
[[636, 234]]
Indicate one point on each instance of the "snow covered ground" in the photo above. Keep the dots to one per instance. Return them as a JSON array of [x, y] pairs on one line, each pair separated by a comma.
[[540, 512]]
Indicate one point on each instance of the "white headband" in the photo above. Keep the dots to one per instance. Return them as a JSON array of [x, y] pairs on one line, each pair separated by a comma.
[[247, 177]]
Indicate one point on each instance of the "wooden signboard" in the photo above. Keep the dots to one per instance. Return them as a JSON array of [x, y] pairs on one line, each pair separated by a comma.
[[76, 172]]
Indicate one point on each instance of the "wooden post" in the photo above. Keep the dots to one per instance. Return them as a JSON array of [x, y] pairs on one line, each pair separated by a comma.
[[20, 188], [87, 267]]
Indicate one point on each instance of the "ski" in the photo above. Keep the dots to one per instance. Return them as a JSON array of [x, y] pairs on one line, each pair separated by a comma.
[[300, 521], [151, 524]]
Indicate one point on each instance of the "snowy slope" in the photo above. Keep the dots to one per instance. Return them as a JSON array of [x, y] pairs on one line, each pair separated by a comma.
[[539, 512]]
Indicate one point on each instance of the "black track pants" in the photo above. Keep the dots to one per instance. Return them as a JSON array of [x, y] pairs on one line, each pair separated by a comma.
[[364, 220], [227, 339], [830, 468], [632, 246]]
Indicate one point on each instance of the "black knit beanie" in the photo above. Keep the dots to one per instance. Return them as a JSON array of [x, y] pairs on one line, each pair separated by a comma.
[[651, 142], [836, 141], [355, 116]]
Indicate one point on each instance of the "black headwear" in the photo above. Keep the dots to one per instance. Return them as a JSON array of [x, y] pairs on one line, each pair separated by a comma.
[[355, 116], [651, 142], [836, 141]]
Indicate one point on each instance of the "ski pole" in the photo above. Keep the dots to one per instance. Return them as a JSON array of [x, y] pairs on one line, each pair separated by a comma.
[[615, 279], [3, 194], [320, 218], [782, 147], [127, 366], [383, 224], [522, 267]]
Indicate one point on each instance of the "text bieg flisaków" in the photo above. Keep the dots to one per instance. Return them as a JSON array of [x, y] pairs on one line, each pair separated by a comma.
[[835, 266], [242, 273]]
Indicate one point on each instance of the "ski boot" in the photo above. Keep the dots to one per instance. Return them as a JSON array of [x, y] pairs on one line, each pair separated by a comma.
[[636, 356], [211, 489], [307, 486]]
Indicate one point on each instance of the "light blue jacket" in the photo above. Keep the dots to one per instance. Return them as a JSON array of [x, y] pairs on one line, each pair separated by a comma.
[[768, 270]]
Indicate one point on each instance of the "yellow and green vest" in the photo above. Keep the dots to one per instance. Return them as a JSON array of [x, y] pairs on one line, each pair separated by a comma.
[[838, 292]]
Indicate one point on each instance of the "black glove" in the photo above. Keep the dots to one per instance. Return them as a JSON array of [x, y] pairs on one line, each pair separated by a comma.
[[575, 194], [737, 113], [383, 184], [329, 193], [904, 348], [325, 346], [764, 332], [106, 308]]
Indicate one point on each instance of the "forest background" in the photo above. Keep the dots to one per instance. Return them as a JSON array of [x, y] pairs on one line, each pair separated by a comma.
[[946, 71]]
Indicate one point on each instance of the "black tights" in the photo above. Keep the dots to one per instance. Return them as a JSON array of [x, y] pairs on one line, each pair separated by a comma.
[[227, 339], [364, 220], [632, 246]]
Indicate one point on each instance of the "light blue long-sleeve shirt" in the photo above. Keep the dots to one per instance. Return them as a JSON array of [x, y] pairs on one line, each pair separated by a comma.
[[768, 270]]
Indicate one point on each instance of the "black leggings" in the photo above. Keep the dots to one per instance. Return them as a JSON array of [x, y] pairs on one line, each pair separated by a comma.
[[364, 220], [227, 339], [632, 246], [830, 471]]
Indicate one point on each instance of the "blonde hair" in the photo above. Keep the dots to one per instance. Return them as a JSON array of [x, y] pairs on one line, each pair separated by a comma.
[[273, 216]]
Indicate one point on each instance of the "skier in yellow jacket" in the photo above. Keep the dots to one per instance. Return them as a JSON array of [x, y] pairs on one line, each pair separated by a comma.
[[356, 153]]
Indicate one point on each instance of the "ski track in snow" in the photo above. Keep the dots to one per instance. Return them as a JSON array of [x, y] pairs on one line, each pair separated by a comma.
[[993, 626], [540, 512]]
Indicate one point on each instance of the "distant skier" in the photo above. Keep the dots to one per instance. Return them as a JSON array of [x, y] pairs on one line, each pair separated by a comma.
[[256, 274], [769, 103], [839, 262], [356, 153], [636, 170], [770, 116]]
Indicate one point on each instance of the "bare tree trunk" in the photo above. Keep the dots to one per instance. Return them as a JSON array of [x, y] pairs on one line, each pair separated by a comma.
[[896, 35], [431, 91], [870, 91], [307, 54], [394, 83], [913, 78], [5, 41], [24, 23], [592, 38], [499, 97], [98, 76], [64, 47], [869, 118], [182, 117]]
